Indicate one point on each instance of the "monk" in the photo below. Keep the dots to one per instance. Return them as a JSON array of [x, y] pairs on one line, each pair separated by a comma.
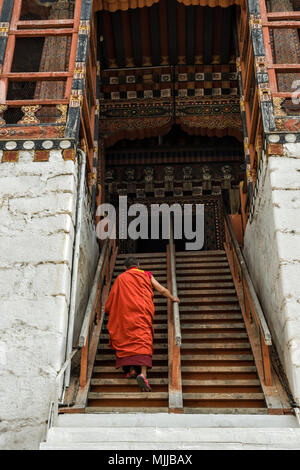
[[131, 311]]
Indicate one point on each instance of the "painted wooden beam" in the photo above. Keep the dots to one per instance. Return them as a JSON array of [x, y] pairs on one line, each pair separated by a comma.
[[172, 30], [136, 37], [155, 35], [118, 37], [208, 34], [190, 35], [226, 34]]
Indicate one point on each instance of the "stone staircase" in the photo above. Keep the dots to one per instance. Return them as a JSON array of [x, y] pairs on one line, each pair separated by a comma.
[[163, 431], [217, 366]]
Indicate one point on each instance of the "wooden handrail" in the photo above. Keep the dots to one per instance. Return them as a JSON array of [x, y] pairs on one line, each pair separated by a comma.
[[250, 305], [93, 296], [95, 308], [174, 357], [176, 317], [263, 324]]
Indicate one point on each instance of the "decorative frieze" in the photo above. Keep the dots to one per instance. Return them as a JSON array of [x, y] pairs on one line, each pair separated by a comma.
[[37, 144]]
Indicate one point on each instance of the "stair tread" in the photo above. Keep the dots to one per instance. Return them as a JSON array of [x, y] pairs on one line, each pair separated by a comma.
[[219, 285], [124, 409], [156, 335], [215, 346], [223, 396], [207, 316], [217, 357], [123, 381], [203, 264], [106, 357], [129, 395], [198, 326], [201, 300], [221, 383], [197, 382], [202, 308], [211, 345], [118, 371], [223, 335], [218, 369], [211, 292], [202, 357], [203, 278]]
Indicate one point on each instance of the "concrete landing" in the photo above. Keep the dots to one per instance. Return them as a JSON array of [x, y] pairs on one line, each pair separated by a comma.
[[172, 432]]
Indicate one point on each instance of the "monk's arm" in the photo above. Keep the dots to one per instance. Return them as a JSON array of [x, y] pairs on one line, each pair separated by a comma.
[[162, 290]]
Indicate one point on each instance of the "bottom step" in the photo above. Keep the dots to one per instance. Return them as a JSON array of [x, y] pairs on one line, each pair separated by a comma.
[[128, 438]]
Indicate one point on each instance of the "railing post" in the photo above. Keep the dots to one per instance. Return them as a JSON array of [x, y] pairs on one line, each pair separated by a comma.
[[174, 359], [84, 363], [266, 361]]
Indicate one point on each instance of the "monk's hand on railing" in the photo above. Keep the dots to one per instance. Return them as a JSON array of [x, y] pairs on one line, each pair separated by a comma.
[[175, 299]]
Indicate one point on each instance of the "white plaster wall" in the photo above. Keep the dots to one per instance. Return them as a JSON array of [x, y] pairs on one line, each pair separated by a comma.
[[37, 216], [272, 252]]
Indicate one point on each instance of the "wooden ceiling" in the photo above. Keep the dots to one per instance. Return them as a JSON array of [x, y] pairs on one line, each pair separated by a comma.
[[167, 33]]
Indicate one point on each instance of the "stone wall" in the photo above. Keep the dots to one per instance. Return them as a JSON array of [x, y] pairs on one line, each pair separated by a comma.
[[37, 217], [272, 252]]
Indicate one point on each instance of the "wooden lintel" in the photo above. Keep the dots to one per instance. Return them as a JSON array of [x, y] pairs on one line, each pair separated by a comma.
[[37, 76], [17, 103], [281, 24], [285, 67], [36, 24], [23, 33], [284, 15]]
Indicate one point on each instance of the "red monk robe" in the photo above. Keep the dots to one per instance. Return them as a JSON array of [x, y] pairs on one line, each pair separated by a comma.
[[131, 310]]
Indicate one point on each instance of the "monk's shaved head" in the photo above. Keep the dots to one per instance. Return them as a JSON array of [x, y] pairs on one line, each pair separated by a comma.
[[131, 261]]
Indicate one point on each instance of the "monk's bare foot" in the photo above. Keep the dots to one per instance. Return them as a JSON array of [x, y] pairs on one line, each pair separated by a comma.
[[143, 383]]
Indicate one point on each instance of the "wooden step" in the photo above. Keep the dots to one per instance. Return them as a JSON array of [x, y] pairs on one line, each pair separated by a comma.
[[211, 345], [106, 347], [156, 335], [129, 396], [199, 326], [204, 292], [198, 266], [123, 381], [229, 335], [220, 383], [223, 396], [200, 253], [198, 357], [193, 346], [204, 271], [201, 259], [126, 410], [123, 256], [233, 409], [201, 300], [107, 357], [111, 369], [203, 278], [218, 369], [217, 357], [208, 286], [205, 308], [154, 267], [206, 316]]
